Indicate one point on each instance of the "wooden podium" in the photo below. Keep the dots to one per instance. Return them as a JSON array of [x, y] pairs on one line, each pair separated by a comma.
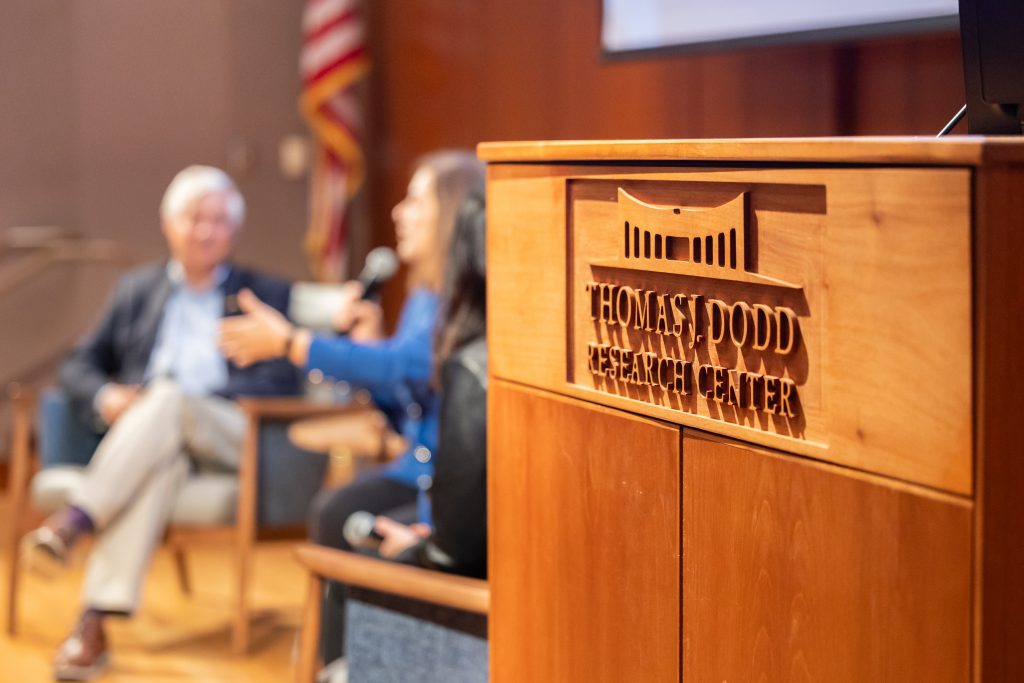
[[757, 410]]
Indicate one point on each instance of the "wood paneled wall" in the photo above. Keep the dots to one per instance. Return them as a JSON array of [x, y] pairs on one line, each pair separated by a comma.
[[454, 73], [102, 102]]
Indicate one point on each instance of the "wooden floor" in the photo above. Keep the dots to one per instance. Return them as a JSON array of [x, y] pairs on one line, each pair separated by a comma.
[[173, 637]]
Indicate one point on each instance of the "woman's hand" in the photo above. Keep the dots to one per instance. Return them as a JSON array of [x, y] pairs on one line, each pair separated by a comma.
[[261, 334], [367, 322], [398, 537], [344, 315], [356, 317]]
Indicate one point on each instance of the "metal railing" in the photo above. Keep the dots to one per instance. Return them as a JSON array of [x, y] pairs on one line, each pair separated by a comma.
[[29, 254], [26, 252]]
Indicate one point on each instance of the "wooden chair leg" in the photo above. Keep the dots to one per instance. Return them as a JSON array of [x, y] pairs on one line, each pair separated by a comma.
[[246, 534], [309, 636], [17, 489], [181, 569], [240, 635], [13, 571]]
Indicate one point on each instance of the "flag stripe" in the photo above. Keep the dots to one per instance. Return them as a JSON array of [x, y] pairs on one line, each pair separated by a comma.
[[345, 110], [328, 26], [330, 48], [343, 61], [338, 138], [332, 62], [319, 12]]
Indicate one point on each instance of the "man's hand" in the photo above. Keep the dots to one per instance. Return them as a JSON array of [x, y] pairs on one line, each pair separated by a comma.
[[398, 537], [261, 334], [115, 399]]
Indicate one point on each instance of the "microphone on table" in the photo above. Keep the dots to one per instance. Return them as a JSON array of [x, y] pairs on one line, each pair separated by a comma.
[[359, 531], [381, 265]]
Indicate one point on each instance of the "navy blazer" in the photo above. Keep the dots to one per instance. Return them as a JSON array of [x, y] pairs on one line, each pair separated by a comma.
[[118, 349]]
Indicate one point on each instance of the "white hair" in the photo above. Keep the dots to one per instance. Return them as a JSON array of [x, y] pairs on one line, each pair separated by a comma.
[[197, 181]]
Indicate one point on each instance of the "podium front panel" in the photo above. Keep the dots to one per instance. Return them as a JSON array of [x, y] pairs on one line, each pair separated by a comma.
[[824, 312], [585, 554], [832, 329], [794, 570]]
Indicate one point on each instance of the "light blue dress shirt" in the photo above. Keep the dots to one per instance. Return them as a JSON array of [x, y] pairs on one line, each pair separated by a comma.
[[186, 341]]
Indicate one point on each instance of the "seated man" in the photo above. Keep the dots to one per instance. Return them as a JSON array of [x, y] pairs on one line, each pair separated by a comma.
[[151, 376]]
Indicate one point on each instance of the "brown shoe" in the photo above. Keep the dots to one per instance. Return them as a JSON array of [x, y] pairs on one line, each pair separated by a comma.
[[83, 656], [48, 548]]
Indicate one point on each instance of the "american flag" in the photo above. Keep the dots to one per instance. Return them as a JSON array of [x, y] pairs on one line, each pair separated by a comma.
[[333, 60]]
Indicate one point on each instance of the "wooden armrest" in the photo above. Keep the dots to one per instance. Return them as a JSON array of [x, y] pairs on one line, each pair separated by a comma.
[[293, 407], [354, 433], [458, 592], [256, 410]]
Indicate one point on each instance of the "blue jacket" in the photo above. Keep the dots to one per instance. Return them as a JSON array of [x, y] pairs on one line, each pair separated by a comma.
[[397, 372]]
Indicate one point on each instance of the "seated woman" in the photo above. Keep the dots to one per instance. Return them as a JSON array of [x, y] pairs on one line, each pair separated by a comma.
[[457, 539], [396, 370]]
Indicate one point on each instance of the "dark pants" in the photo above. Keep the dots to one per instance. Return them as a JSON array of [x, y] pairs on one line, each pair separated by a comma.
[[371, 493]]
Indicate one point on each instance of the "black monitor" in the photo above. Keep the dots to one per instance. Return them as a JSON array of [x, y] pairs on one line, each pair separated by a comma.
[[992, 32]]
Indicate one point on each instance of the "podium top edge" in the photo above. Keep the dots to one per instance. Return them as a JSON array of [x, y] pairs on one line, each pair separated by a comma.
[[965, 150]]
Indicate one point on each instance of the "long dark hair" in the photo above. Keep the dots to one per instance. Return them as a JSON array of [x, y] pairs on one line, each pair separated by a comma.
[[464, 294], [458, 173]]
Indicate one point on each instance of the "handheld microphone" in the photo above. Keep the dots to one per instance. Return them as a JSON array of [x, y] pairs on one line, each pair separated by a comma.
[[359, 531], [381, 265]]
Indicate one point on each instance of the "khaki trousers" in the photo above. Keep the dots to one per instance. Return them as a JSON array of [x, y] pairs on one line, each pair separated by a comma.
[[135, 475]]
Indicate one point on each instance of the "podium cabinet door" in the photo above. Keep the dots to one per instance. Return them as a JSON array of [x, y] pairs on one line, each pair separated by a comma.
[[799, 571], [584, 541]]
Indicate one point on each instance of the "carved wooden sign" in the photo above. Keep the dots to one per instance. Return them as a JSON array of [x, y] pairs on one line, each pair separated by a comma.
[[677, 313], [825, 312]]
